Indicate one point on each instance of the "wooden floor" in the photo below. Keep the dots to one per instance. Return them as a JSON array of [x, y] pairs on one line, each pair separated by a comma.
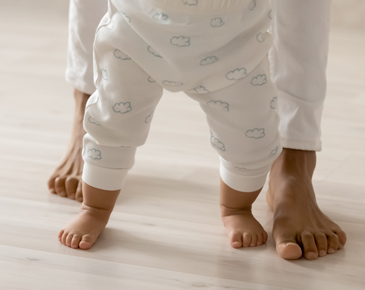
[[165, 232]]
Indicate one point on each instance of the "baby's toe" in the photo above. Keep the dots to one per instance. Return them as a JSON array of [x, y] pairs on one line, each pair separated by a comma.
[[60, 235], [253, 240], [75, 241], [246, 239], [236, 240], [69, 239], [260, 239], [86, 242], [64, 236]]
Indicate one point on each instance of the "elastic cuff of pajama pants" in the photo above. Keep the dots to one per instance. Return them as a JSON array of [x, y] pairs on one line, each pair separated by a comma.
[[242, 183], [301, 145], [81, 86], [104, 178]]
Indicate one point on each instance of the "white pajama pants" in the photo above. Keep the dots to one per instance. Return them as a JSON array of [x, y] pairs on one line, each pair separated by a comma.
[[214, 51], [298, 59]]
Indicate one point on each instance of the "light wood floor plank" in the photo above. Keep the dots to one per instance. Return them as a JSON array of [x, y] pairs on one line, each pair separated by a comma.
[[166, 231]]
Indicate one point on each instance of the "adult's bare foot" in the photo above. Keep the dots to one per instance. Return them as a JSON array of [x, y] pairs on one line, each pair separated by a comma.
[[300, 227], [66, 179]]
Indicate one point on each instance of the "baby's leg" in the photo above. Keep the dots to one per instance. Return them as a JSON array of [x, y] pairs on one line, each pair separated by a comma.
[[244, 131], [117, 120], [236, 210], [94, 214]]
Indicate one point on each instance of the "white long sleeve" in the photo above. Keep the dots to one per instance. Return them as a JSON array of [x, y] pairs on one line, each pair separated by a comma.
[[84, 17], [298, 65]]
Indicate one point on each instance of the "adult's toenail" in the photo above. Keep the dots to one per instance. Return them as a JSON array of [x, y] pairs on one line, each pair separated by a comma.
[[331, 251], [311, 255], [322, 253]]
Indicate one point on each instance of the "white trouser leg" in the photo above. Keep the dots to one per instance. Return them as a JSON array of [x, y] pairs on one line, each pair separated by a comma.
[[84, 17], [299, 58], [234, 88], [119, 113], [243, 123]]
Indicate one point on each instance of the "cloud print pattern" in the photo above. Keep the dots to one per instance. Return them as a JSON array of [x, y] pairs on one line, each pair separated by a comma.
[[236, 74], [94, 154], [121, 55], [180, 41], [256, 133], [219, 105], [209, 60], [160, 17], [259, 80], [205, 49], [216, 22], [122, 107], [190, 2], [217, 143]]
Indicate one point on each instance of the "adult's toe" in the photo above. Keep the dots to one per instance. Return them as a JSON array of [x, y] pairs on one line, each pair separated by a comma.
[[79, 196], [60, 186], [309, 245], [321, 241], [71, 184], [286, 246], [342, 238], [333, 243]]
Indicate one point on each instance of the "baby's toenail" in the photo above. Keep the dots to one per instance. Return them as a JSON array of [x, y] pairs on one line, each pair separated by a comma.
[[331, 251], [322, 253]]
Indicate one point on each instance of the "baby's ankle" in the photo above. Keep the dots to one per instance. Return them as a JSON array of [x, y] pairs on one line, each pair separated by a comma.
[[226, 211], [232, 200], [102, 213]]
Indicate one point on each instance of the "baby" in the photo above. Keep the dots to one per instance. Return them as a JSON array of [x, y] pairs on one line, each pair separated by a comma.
[[215, 51]]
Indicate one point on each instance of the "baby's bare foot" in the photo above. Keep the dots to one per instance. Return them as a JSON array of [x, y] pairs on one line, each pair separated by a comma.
[[83, 231], [242, 228], [66, 179]]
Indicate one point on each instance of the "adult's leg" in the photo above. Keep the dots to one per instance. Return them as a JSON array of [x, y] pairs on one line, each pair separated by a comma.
[[84, 17], [299, 60]]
